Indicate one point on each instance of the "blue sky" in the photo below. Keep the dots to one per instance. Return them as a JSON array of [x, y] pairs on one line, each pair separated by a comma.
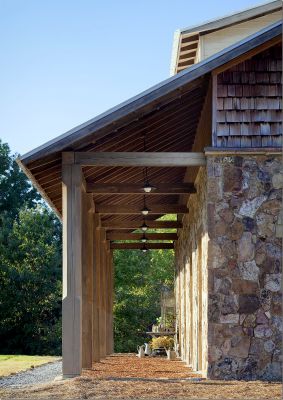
[[65, 61]]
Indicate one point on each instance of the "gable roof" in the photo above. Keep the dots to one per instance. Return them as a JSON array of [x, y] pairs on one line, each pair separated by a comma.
[[139, 102], [189, 36], [178, 98]]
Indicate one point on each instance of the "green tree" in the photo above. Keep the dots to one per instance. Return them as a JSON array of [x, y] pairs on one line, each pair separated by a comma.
[[138, 281], [30, 281], [15, 192], [30, 265], [15, 189]]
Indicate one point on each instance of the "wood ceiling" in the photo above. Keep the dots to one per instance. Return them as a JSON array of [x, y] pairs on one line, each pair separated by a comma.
[[171, 127]]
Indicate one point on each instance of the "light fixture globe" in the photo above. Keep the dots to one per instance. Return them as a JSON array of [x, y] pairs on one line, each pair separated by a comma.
[[144, 227], [145, 211], [148, 187], [144, 249], [143, 239]]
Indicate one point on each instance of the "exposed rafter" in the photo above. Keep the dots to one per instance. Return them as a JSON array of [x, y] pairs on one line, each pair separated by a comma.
[[137, 224], [133, 246], [156, 209], [139, 236], [131, 188]]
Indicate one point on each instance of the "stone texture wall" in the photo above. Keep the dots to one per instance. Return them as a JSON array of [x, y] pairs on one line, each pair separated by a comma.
[[244, 266], [191, 279]]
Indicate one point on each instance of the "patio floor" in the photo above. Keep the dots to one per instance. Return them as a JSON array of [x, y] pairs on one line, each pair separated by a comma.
[[127, 377]]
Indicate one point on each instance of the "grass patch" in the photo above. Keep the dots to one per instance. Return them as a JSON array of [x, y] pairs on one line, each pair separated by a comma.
[[11, 364]]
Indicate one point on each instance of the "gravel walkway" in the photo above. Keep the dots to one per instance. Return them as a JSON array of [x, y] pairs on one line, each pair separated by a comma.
[[42, 374]]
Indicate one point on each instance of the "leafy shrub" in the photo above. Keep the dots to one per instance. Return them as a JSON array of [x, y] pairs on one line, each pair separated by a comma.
[[163, 341]]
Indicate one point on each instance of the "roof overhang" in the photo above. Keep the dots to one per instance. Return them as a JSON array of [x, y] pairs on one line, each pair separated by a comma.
[[185, 91]]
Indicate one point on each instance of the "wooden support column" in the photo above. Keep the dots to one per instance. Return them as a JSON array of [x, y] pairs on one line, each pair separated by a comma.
[[72, 269], [109, 302], [107, 298], [87, 280], [102, 311], [96, 290], [111, 293]]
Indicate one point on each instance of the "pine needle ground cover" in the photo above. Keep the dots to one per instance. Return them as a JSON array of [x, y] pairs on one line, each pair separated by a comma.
[[128, 377]]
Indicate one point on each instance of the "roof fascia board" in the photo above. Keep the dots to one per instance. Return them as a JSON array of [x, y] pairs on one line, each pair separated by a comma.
[[175, 51], [138, 102]]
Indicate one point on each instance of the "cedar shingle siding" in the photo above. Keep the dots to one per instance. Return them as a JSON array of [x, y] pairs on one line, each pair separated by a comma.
[[249, 102]]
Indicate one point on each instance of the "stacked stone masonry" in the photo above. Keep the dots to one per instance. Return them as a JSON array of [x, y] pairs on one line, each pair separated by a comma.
[[244, 267], [232, 238], [191, 280]]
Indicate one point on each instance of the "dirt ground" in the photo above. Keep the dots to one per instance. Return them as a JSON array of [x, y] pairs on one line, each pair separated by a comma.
[[127, 377]]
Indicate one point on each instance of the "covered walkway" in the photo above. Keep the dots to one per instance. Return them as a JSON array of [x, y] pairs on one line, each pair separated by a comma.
[[120, 172]]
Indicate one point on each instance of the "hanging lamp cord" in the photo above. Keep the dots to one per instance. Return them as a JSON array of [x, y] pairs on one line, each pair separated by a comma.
[[145, 172]]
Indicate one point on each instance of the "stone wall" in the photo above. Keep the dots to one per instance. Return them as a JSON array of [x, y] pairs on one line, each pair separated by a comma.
[[191, 280], [244, 266]]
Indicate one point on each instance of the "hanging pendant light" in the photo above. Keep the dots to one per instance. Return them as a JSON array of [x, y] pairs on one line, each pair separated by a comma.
[[143, 239], [145, 210], [147, 187], [144, 249], [144, 227]]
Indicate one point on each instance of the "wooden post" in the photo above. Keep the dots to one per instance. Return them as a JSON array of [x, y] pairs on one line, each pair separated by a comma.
[[72, 269], [96, 289], [111, 292], [87, 280], [107, 298], [102, 311]]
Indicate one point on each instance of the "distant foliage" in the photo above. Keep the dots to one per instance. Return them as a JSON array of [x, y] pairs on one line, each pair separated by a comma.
[[138, 280], [30, 266]]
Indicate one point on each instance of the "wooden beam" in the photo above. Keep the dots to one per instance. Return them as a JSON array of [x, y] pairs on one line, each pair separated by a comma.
[[131, 188], [158, 209], [139, 159], [137, 224], [139, 236], [137, 246], [184, 60], [187, 54]]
